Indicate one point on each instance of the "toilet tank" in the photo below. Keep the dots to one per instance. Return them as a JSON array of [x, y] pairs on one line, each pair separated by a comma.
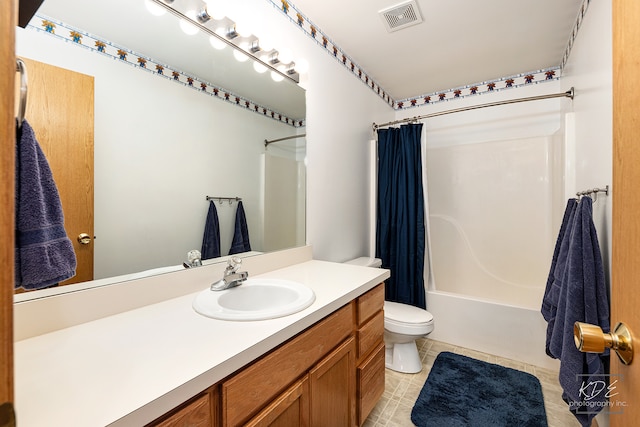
[[366, 262]]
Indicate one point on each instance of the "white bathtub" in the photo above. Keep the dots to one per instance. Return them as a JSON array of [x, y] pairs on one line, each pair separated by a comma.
[[504, 330]]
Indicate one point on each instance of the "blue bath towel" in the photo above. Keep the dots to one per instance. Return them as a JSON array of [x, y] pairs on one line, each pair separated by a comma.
[[211, 238], [558, 265], [240, 241], [582, 297], [44, 255]]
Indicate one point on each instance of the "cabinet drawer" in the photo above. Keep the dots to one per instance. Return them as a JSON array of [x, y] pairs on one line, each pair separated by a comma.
[[253, 387], [370, 334], [370, 303], [194, 414], [370, 382]]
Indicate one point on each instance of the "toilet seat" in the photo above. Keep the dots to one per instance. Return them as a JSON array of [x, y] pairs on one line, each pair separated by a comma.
[[407, 319]]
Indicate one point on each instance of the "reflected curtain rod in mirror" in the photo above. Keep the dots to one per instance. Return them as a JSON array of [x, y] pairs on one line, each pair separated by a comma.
[[267, 142]]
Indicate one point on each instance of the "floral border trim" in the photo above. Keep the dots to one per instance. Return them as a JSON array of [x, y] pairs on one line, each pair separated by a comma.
[[574, 33], [129, 57], [490, 86], [519, 80]]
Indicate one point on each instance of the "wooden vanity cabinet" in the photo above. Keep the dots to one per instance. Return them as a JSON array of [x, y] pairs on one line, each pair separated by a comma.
[[332, 374], [252, 388]]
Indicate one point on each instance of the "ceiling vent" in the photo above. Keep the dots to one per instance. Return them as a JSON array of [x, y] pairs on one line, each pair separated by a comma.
[[401, 16]]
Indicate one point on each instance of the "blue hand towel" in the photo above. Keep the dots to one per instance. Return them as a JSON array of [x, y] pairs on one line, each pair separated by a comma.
[[582, 297], [211, 239], [44, 255], [240, 241]]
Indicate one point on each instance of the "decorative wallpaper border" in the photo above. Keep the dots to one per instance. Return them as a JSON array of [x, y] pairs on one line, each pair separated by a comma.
[[574, 33], [139, 61], [523, 79], [497, 85]]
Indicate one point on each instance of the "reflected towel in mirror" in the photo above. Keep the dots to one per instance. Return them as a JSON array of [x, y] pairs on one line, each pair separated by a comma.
[[240, 241], [44, 255], [211, 239]]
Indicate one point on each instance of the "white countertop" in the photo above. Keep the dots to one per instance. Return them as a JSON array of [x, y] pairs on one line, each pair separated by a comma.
[[130, 368]]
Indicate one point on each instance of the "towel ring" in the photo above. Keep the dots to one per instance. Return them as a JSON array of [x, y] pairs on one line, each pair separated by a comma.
[[22, 68]]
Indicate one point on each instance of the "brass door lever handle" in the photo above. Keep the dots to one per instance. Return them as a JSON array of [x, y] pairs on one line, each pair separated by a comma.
[[590, 339]]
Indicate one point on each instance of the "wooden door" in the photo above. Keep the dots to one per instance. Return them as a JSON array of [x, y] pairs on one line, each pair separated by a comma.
[[333, 389], [60, 111], [625, 271], [8, 16]]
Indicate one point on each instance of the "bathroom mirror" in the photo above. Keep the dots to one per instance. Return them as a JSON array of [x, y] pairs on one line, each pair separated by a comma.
[[164, 138]]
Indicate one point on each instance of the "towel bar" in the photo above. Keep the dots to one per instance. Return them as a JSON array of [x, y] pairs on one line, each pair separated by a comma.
[[22, 68], [220, 199]]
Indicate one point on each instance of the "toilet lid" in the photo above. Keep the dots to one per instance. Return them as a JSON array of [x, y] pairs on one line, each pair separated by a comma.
[[406, 313]]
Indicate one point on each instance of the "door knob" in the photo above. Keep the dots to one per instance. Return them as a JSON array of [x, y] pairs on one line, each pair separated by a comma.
[[84, 239], [590, 339]]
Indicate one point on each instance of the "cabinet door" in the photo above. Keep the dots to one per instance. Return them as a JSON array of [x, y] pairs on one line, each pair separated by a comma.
[[195, 414], [332, 388], [290, 409]]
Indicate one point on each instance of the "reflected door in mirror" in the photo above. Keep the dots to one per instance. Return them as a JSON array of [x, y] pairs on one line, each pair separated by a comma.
[[60, 109]]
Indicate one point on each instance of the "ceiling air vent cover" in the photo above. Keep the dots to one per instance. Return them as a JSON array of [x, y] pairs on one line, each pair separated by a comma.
[[401, 16]]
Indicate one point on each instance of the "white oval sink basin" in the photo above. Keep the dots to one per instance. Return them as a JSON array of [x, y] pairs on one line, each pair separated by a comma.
[[255, 299]]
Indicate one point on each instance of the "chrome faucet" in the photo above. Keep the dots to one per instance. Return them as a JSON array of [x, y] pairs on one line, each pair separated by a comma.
[[194, 259], [232, 277]]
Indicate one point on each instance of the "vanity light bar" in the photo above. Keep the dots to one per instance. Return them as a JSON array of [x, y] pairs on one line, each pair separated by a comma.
[[203, 17]]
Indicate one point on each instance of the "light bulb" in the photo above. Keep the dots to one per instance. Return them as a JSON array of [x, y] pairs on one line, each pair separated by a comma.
[[276, 77], [154, 9], [217, 43], [188, 27], [265, 42], [259, 67], [302, 65], [240, 56], [243, 28], [216, 8], [285, 55]]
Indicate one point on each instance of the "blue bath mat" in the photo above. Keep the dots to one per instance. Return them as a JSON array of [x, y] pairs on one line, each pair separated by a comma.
[[463, 392]]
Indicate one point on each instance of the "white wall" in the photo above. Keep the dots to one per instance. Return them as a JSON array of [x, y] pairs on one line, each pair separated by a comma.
[[590, 118]]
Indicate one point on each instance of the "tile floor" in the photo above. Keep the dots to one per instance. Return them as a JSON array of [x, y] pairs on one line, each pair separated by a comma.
[[401, 390]]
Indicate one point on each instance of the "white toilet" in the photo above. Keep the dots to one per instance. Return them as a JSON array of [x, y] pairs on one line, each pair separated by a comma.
[[403, 324]]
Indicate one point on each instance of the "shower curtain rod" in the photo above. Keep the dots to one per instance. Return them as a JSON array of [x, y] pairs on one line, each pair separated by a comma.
[[567, 94], [266, 142]]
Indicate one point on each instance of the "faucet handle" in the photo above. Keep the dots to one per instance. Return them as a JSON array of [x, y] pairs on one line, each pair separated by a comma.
[[234, 264], [194, 259]]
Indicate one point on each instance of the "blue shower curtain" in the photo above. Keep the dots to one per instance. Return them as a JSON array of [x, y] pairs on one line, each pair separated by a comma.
[[400, 227]]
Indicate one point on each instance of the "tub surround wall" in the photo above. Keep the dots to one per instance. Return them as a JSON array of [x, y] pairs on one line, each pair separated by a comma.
[[490, 209]]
